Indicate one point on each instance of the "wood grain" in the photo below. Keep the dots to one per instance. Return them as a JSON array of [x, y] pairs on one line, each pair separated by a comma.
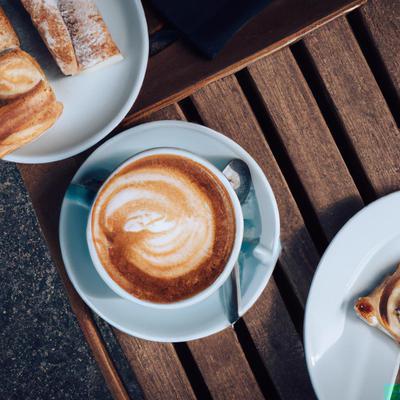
[[222, 106], [224, 367], [382, 19], [178, 71], [157, 368], [358, 102], [307, 139]]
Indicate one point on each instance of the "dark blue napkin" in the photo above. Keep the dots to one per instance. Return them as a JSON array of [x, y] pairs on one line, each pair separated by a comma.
[[208, 24]]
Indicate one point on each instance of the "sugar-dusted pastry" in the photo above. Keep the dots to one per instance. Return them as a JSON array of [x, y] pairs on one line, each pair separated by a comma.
[[381, 308], [92, 41], [47, 18], [19, 73], [8, 37], [75, 33], [27, 117]]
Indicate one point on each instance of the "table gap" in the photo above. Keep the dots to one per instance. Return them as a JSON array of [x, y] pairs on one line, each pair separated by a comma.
[[301, 198], [255, 361], [376, 64], [121, 363], [190, 111], [192, 371], [331, 117], [292, 303], [161, 39]]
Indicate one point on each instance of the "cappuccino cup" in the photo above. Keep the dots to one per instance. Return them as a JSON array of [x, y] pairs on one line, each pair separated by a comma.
[[164, 229]]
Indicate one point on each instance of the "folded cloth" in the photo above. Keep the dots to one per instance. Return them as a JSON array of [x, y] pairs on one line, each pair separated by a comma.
[[208, 24]]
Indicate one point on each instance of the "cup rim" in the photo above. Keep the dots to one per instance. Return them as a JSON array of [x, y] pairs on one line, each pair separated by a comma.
[[222, 277]]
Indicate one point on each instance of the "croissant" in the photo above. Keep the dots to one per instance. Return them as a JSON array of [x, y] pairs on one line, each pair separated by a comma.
[[8, 37], [19, 73], [381, 308], [28, 106], [27, 117]]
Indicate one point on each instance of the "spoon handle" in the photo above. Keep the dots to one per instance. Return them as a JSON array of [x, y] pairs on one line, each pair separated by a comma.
[[236, 295]]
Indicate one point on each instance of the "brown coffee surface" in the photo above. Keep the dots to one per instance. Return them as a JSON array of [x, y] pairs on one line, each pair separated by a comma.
[[163, 228]]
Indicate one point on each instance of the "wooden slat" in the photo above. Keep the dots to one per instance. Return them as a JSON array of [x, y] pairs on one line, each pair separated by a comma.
[[244, 129], [157, 368], [219, 357], [178, 71], [359, 103], [222, 106], [382, 19], [307, 139], [222, 362]]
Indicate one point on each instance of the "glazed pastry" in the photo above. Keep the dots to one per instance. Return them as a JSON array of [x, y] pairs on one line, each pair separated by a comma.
[[27, 117], [381, 308], [8, 37], [19, 73], [92, 41], [75, 33]]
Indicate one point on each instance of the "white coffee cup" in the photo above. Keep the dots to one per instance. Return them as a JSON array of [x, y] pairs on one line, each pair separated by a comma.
[[87, 196]]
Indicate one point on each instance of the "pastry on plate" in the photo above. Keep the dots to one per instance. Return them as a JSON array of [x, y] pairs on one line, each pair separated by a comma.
[[8, 37], [19, 73], [47, 18], [381, 308], [75, 33], [28, 105], [27, 117]]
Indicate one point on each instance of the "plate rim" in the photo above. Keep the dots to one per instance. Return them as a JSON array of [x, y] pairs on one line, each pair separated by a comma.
[[114, 122], [276, 245], [321, 269]]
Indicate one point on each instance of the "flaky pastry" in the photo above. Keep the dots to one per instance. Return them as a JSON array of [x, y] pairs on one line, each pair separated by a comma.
[[381, 308]]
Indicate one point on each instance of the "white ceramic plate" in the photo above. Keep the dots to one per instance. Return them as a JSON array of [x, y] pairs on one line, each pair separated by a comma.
[[346, 358], [201, 319], [94, 102]]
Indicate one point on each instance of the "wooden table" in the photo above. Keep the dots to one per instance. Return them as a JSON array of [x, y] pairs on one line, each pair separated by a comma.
[[321, 117]]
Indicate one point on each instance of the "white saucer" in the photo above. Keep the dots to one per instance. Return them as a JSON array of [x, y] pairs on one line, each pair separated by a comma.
[[348, 359], [174, 325], [94, 102]]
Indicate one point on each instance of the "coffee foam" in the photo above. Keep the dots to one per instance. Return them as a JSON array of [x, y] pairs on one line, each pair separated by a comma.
[[163, 227]]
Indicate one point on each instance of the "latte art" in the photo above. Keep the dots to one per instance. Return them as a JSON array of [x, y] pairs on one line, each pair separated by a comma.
[[163, 227], [160, 222]]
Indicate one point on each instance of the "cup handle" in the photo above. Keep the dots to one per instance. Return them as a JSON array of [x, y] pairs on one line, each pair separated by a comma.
[[85, 193], [80, 195]]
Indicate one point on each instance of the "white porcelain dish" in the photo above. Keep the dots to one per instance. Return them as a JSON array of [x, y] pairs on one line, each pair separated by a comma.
[[168, 325], [94, 102], [346, 358]]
